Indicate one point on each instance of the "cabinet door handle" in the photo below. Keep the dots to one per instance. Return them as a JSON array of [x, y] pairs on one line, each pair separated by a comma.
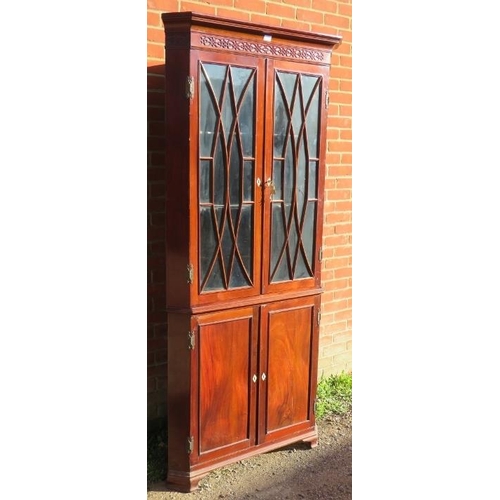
[[263, 377], [254, 378], [259, 182]]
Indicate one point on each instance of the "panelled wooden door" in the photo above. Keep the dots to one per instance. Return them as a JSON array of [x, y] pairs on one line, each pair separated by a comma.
[[229, 112], [224, 376], [288, 373], [294, 162]]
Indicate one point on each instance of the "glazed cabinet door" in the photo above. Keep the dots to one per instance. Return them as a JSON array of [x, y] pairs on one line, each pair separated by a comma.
[[227, 107], [288, 372], [295, 155], [224, 375]]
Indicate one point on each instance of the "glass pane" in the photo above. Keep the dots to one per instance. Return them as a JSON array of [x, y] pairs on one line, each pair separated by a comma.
[[295, 175], [278, 267], [240, 77], [248, 181], [215, 281], [216, 74], [227, 246], [308, 232], [219, 174], [205, 181], [235, 167], [227, 112], [301, 180], [293, 239], [209, 249], [308, 84], [208, 241], [297, 120], [301, 269], [244, 83], [242, 263], [245, 238], [226, 178], [288, 80], [278, 180], [312, 118], [289, 174], [282, 274], [246, 123], [208, 117], [313, 179], [219, 214], [237, 278], [280, 122]]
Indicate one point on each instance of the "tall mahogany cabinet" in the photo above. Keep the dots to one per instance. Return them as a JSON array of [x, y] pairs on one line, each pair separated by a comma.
[[246, 113]]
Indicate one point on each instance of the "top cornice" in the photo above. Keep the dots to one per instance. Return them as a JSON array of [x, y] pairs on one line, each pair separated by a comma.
[[184, 20]]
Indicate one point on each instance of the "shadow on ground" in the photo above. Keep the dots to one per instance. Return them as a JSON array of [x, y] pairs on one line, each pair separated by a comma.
[[324, 472]]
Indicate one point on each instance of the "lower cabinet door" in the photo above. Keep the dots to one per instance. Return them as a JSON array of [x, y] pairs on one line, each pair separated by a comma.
[[288, 367], [224, 375]]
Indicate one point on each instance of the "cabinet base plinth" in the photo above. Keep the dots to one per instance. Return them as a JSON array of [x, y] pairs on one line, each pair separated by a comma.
[[182, 482], [311, 442], [186, 482]]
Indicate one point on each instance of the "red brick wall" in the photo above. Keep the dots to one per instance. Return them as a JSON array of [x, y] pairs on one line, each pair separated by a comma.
[[325, 16]]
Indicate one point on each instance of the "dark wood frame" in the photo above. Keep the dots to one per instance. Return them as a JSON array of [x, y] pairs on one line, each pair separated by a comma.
[[252, 325]]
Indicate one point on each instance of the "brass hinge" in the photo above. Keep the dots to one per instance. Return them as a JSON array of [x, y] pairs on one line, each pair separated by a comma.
[[320, 254], [327, 99], [319, 317], [189, 87], [190, 270], [191, 340], [190, 444]]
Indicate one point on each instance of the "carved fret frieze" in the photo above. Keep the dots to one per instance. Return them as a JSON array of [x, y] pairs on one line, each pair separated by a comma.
[[268, 49]]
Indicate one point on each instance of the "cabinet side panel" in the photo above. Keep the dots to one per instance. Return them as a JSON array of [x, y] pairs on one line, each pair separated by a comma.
[[177, 181], [179, 394]]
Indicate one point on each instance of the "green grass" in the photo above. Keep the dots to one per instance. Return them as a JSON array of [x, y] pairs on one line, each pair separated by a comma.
[[334, 395]]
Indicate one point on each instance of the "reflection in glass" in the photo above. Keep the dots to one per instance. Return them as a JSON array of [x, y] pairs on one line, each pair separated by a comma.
[[289, 174], [246, 122], [313, 179], [235, 173], [308, 230], [207, 233], [312, 124], [301, 180], [219, 172], [205, 181], [207, 118], [277, 243], [281, 122], [248, 181], [245, 237], [278, 180]]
